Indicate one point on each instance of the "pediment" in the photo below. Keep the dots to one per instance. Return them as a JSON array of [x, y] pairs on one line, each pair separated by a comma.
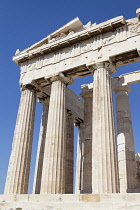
[[70, 28], [74, 25]]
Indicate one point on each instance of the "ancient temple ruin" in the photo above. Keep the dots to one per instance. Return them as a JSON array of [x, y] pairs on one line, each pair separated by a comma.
[[104, 167]]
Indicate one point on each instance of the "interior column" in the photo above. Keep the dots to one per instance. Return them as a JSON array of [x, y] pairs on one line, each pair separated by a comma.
[[79, 159], [87, 140], [54, 163], [125, 140], [41, 145], [69, 153]]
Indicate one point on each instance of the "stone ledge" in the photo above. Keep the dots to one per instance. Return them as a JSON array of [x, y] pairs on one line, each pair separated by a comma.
[[71, 201]]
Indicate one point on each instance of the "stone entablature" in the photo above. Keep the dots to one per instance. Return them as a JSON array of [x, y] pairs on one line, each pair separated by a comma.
[[126, 79], [74, 53], [80, 30], [122, 80]]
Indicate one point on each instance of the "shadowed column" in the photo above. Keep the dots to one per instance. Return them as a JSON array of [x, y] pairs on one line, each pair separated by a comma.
[[79, 160], [69, 154], [41, 145], [19, 165], [87, 140]]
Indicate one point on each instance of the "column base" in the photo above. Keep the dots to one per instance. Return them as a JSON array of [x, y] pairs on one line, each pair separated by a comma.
[[133, 190]]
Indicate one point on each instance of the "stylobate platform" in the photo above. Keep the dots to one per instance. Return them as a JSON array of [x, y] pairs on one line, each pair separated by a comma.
[[71, 202]]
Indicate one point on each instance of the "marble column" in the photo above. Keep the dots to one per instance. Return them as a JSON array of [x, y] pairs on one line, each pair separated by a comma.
[[69, 153], [54, 163], [137, 159], [79, 160], [87, 142], [125, 140], [104, 158], [41, 145], [19, 164]]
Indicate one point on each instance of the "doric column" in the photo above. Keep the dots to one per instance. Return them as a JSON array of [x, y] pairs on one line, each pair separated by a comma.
[[19, 165], [41, 145], [69, 153], [125, 139], [87, 140], [53, 172], [104, 158], [79, 160]]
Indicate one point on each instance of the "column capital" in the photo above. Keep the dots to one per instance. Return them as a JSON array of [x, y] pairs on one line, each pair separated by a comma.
[[125, 88], [78, 123], [44, 100], [99, 65], [28, 87], [87, 91], [87, 94], [62, 78]]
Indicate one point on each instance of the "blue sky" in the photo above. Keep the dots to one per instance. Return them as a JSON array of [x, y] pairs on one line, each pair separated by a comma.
[[25, 22]]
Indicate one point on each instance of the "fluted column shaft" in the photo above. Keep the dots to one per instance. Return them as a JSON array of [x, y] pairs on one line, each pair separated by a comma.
[[137, 159], [79, 160], [41, 146], [125, 139], [104, 158], [69, 154], [53, 173], [19, 164], [87, 142]]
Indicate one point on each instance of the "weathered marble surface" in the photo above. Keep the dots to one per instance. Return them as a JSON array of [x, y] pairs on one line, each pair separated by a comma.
[[69, 179], [125, 141], [138, 169], [69, 202], [73, 102], [40, 148], [87, 140], [19, 164], [54, 161], [125, 137], [79, 160], [104, 157], [73, 53], [129, 79], [77, 50]]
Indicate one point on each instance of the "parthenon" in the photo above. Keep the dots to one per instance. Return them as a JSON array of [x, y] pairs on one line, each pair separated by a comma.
[[106, 163]]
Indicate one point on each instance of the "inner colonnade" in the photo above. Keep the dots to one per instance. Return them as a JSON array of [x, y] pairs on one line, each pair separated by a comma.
[[47, 69]]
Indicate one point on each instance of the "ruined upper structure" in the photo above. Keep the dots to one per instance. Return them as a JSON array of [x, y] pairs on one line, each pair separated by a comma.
[[73, 48]]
